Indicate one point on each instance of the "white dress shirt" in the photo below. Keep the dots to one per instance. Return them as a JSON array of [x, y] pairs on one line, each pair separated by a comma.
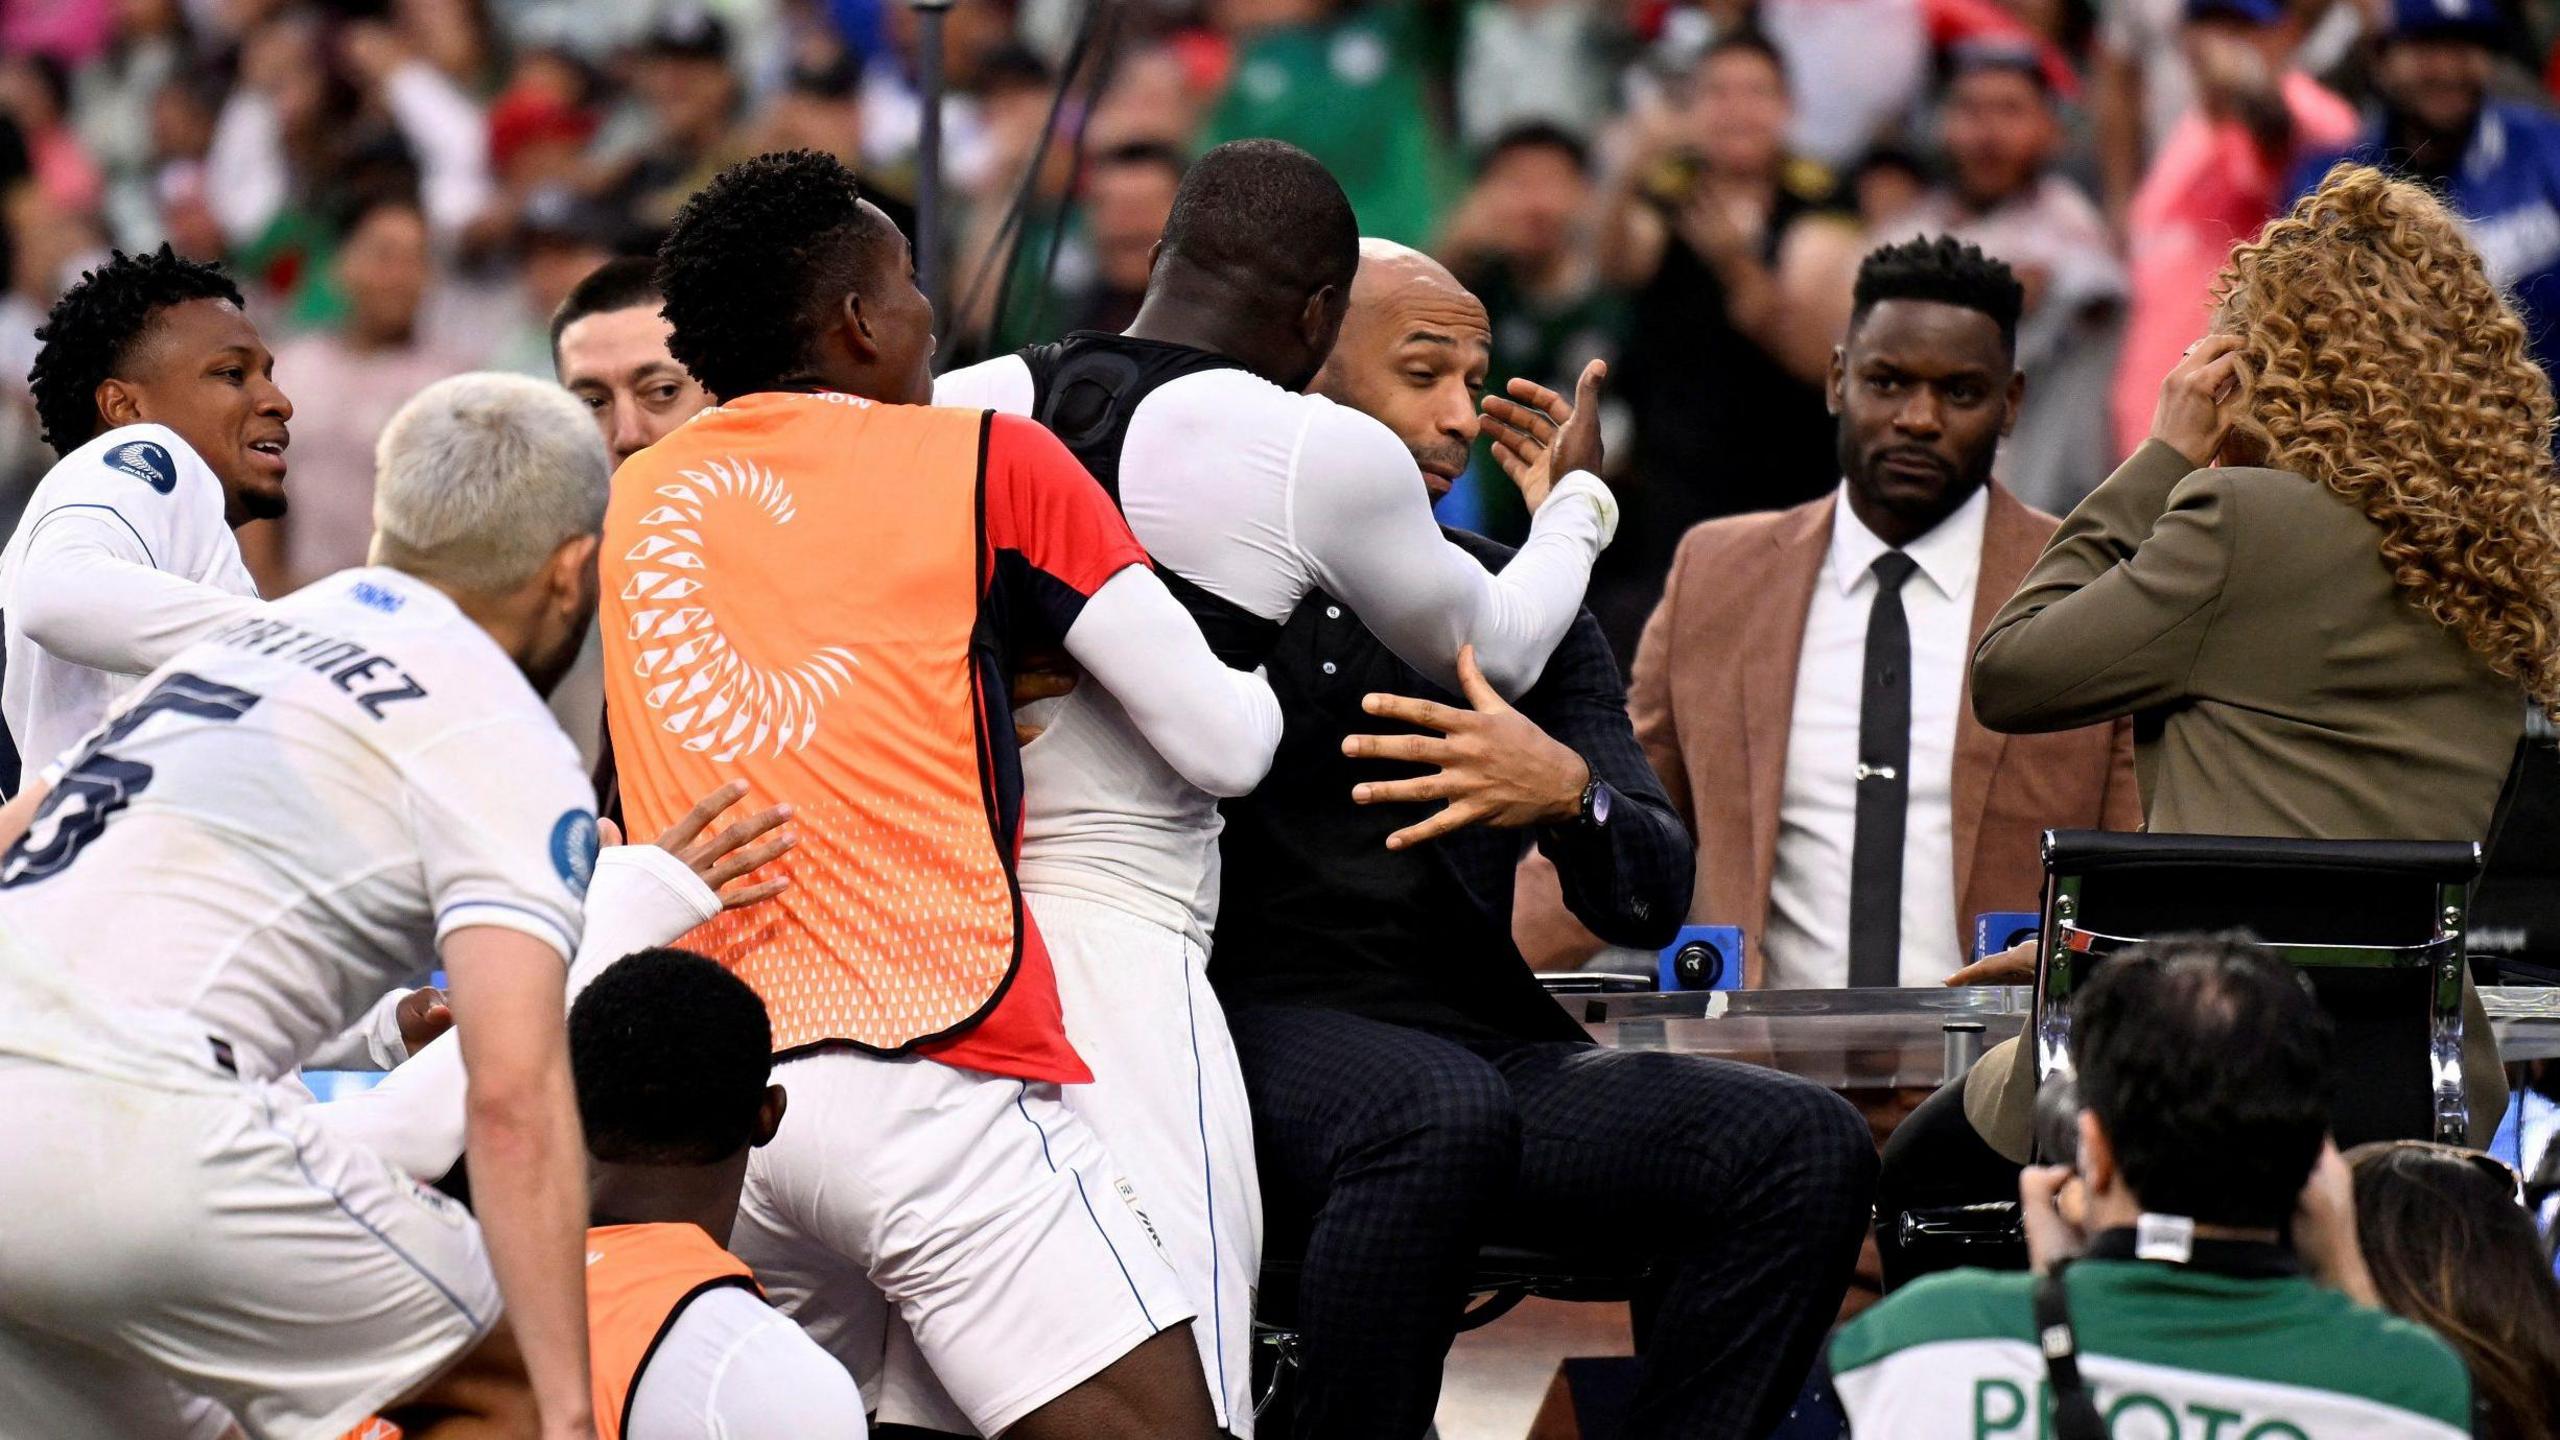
[[1807, 946]]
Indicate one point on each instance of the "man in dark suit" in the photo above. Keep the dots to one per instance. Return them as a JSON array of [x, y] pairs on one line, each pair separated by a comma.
[[1753, 689], [1415, 1094]]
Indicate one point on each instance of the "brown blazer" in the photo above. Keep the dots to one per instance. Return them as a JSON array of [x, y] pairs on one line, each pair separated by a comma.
[[1714, 696], [2286, 685]]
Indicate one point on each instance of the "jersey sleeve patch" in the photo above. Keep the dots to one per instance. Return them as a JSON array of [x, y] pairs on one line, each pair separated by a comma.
[[574, 844], [147, 461]]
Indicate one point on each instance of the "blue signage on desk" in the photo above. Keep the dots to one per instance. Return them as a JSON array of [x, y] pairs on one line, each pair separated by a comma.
[[1997, 930]]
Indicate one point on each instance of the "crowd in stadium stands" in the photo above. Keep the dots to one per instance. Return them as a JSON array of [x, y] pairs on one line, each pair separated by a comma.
[[407, 188]]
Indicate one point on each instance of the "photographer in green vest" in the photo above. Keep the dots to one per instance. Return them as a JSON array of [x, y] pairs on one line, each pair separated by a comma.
[[2196, 1273]]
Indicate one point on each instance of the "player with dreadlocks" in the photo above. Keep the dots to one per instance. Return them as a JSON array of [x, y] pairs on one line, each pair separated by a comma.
[[161, 400]]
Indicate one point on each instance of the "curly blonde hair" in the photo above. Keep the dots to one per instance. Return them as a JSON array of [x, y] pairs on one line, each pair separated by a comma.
[[2378, 360]]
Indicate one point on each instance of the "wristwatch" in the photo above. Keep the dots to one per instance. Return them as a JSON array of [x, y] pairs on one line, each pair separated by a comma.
[[1594, 814]]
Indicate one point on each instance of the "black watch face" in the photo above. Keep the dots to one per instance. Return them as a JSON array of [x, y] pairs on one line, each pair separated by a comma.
[[1598, 804]]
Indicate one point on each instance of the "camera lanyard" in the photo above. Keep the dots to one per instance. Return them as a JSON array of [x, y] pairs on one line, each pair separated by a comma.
[[2075, 1410]]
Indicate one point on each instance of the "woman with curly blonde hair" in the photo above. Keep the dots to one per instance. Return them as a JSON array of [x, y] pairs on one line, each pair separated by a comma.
[[2324, 590]]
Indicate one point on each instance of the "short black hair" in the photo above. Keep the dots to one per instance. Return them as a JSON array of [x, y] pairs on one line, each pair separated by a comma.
[[622, 283], [1945, 271], [1534, 135], [756, 258], [2207, 1062], [672, 1055], [95, 328], [1265, 212]]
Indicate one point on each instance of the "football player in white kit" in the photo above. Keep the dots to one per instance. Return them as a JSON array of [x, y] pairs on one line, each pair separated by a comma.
[[1248, 495], [161, 399], [312, 802]]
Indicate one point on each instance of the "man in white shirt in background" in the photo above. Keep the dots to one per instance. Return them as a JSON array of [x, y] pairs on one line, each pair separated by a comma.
[[161, 400], [1801, 687], [301, 809]]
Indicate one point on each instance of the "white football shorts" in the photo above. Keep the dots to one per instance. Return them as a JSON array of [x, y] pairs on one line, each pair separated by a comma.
[[205, 1239]]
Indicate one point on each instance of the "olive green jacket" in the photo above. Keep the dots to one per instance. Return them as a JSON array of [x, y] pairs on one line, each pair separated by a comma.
[[2280, 683]]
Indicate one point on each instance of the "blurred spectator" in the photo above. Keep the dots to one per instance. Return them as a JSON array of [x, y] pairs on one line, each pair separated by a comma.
[[1737, 269], [1153, 96], [2497, 162], [113, 106], [2220, 175], [681, 135], [1887, 46], [559, 240], [67, 30], [1560, 42], [893, 114], [1885, 43], [2002, 137], [452, 35], [2449, 1247], [349, 382], [182, 119], [1889, 185], [36, 92], [1128, 196], [1001, 299], [1521, 241], [2143, 83], [819, 109], [2198, 1257], [301, 137], [1346, 83]]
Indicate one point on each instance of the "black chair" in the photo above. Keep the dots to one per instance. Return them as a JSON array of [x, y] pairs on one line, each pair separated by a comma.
[[2378, 928]]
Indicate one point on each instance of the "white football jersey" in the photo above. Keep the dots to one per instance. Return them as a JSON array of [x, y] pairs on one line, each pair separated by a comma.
[[282, 822], [140, 494]]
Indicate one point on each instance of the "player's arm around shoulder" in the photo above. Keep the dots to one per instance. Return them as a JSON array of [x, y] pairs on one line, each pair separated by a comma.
[[1217, 727]]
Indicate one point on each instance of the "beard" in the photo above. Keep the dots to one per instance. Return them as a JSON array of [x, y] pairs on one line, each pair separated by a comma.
[[264, 504]]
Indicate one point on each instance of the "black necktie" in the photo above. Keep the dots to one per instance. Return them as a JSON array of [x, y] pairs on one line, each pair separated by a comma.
[[1884, 782]]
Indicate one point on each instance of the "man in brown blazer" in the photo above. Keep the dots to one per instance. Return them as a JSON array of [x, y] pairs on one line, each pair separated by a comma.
[[1751, 681]]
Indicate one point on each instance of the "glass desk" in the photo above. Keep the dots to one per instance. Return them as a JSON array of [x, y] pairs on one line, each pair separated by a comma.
[[1870, 1039]]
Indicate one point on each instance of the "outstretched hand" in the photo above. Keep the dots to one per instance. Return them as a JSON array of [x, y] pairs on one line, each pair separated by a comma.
[[1537, 436], [734, 853], [1497, 768]]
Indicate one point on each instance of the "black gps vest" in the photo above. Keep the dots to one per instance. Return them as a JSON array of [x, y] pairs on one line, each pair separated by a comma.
[[1085, 388]]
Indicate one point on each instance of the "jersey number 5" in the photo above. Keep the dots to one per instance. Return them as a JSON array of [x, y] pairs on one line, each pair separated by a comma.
[[95, 785]]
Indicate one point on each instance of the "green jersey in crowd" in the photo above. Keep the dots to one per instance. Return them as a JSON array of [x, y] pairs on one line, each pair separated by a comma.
[[1349, 90]]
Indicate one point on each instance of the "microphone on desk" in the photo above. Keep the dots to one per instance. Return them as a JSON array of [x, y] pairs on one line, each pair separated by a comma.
[[1702, 957]]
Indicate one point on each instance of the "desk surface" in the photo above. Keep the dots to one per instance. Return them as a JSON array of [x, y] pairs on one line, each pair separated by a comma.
[[1850, 1039]]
